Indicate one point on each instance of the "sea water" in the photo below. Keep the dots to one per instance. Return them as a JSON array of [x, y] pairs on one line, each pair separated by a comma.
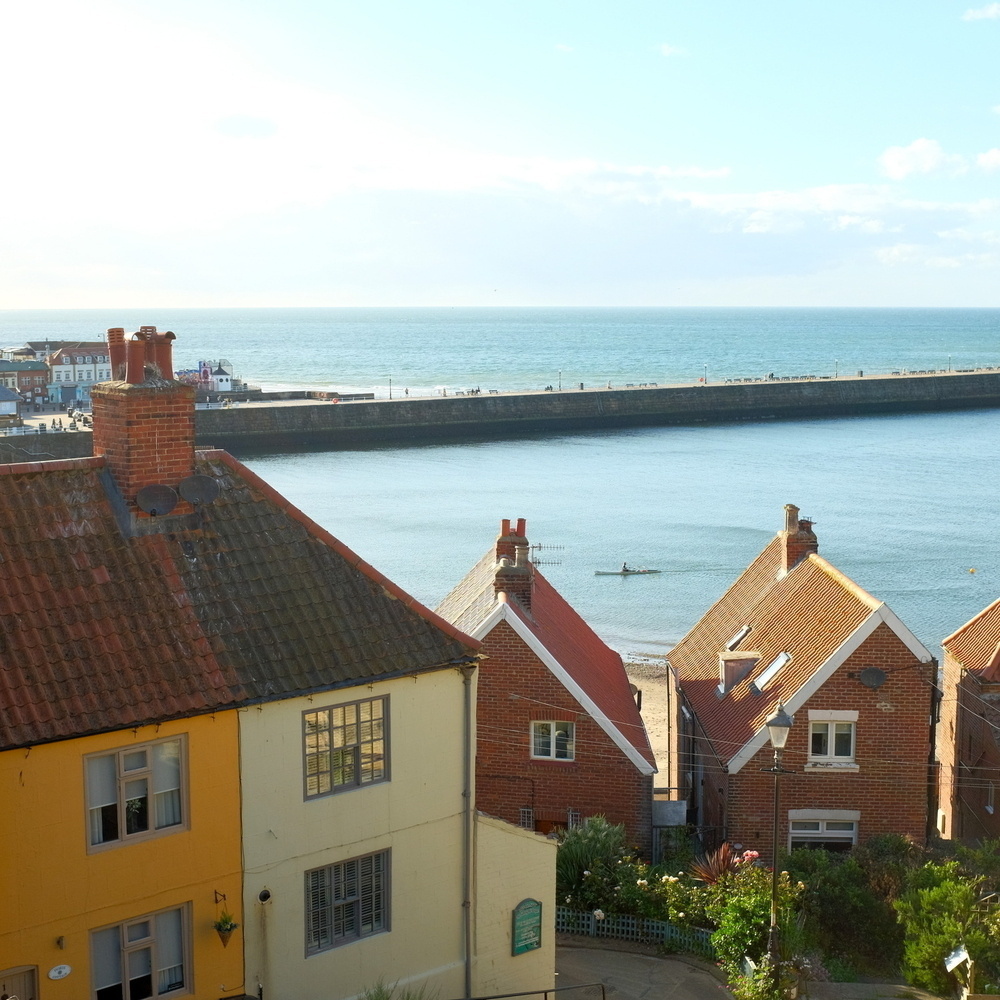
[[904, 505]]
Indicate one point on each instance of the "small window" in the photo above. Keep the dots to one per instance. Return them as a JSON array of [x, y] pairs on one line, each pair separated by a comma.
[[831, 742], [738, 638], [553, 740], [144, 957], [346, 746], [771, 670], [347, 901], [135, 792], [527, 818]]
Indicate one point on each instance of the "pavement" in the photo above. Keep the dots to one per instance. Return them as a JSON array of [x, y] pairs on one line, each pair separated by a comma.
[[641, 974]]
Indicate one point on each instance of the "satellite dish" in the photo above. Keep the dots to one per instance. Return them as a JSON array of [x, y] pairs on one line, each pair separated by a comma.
[[872, 677], [199, 489], [156, 499]]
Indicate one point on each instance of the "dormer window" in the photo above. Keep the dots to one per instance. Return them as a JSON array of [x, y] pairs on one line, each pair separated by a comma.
[[771, 670], [738, 638], [733, 667]]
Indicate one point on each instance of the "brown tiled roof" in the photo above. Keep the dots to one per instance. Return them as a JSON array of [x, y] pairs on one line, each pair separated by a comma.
[[247, 601], [570, 641], [976, 645], [808, 613]]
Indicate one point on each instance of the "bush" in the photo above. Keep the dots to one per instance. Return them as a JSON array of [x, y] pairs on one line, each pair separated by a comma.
[[845, 918], [944, 909]]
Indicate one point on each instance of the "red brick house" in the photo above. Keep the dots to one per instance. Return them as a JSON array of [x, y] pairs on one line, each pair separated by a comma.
[[969, 731], [559, 734], [794, 631]]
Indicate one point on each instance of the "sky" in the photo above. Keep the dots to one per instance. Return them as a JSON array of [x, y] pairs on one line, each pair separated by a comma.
[[222, 153]]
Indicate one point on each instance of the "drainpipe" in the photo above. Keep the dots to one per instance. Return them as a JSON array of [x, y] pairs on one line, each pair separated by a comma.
[[468, 820]]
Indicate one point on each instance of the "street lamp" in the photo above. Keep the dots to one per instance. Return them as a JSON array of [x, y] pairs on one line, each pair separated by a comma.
[[836, 368], [560, 380], [390, 387], [706, 373], [778, 727]]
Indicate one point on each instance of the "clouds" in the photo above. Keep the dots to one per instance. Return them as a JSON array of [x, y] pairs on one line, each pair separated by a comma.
[[990, 12], [922, 156]]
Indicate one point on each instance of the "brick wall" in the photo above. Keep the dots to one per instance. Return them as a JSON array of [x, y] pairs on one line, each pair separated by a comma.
[[892, 748], [146, 433], [515, 689]]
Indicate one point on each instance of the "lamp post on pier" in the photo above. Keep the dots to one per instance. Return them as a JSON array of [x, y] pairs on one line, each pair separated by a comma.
[[560, 380], [390, 387], [778, 727]]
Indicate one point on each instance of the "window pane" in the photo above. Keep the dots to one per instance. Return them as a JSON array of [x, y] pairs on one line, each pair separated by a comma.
[[837, 825], [167, 783], [843, 740], [564, 740], [140, 980], [106, 961], [102, 798], [134, 760], [169, 952], [542, 732], [803, 824], [819, 739], [136, 806]]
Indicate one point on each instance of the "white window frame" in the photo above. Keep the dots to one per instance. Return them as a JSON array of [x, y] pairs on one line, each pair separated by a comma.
[[829, 720], [151, 940], [823, 825], [112, 780], [347, 901], [771, 670], [345, 747], [545, 744]]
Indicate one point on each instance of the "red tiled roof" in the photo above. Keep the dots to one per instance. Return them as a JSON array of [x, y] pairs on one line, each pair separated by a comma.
[[246, 601], [808, 613], [570, 641], [976, 645]]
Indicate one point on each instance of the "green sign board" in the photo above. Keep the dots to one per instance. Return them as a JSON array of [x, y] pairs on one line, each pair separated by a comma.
[[526, 920]]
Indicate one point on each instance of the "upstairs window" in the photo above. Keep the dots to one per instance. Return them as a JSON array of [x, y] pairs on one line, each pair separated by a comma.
[[135, 793], [346, 746], [832, 739], [553, 740]]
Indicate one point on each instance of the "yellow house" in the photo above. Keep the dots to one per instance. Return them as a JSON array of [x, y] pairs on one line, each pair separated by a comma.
[[113, 851], [209, 707]]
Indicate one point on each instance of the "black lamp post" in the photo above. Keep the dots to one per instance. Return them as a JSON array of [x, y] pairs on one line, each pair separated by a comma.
[[778, 727]]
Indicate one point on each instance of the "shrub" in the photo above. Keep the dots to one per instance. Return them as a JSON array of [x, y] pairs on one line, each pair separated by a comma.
[[943, 910]]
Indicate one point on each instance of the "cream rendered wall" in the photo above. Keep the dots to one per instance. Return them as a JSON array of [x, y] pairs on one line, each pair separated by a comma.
[[511, 865], [417, 814]]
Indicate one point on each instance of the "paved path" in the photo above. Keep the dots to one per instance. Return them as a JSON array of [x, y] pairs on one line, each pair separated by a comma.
[[630, 976]]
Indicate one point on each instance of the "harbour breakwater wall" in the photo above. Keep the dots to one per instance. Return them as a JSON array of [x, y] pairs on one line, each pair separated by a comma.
[[323, 426]]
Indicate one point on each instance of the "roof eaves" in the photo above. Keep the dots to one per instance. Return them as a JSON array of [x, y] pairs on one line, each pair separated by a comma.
[[525, 632], [970, 623]]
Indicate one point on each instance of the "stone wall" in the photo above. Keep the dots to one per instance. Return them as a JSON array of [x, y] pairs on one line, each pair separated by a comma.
[[330, 426]]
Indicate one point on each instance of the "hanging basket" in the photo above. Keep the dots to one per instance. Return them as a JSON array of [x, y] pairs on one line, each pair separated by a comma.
[[225, 935]]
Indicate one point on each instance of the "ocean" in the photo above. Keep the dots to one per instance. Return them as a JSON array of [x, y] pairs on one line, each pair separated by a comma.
[[904, 505]]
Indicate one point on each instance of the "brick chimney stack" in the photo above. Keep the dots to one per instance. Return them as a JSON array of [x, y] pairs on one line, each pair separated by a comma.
[[514, 572], [798, 538], [144, 419]]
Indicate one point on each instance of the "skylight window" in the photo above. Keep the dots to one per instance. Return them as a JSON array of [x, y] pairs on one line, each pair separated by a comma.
[[738, 638], [771, 670]]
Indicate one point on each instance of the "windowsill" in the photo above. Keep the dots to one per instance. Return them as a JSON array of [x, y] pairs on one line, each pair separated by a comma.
[[554, 760], [832, 766]]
